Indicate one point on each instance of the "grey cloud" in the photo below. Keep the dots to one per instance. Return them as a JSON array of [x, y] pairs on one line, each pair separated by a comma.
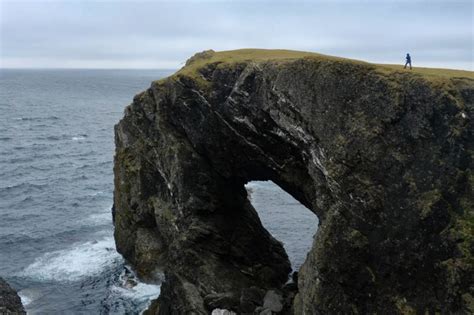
[[165, 33]]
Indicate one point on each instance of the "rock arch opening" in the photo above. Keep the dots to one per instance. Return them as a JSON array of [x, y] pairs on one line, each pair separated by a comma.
[[285, 218]]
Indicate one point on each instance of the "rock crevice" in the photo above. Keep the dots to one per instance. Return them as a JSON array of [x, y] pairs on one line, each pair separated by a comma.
[[383, 157]]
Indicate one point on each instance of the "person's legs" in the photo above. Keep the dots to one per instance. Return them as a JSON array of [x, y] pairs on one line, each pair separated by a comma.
[[410, 65], [405, 65]]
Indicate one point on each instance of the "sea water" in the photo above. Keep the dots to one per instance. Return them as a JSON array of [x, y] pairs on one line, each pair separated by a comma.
[[56, 186]]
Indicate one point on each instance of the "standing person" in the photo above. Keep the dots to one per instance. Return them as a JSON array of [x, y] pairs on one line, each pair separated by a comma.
[[408, 61]]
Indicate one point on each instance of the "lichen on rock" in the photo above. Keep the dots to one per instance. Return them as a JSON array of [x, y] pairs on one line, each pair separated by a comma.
[[382, 156]]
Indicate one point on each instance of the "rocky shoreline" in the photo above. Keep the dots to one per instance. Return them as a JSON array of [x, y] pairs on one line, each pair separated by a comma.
[[382, 156], [10, 302]]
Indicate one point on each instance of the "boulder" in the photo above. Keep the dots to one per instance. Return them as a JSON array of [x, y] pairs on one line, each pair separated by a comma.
[[273, 301]]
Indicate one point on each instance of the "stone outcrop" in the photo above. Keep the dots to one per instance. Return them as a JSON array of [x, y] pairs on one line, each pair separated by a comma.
[[10, 302], [382, 156]]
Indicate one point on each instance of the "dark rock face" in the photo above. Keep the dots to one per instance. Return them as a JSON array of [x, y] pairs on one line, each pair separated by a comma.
[[10, 302], [383, 158]]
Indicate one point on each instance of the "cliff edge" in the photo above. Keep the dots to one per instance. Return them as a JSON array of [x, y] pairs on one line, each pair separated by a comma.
[[382, 156]]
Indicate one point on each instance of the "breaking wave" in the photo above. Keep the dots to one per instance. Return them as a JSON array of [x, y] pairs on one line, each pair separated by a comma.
[[72, 264]]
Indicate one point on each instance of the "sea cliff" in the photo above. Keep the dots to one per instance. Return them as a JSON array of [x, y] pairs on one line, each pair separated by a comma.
[[383, 156]]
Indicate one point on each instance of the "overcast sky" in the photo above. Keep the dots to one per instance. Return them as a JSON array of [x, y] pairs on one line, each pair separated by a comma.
[[163, 34]]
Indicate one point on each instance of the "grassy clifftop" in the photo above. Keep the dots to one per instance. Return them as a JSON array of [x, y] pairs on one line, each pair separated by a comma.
[[200, 60]]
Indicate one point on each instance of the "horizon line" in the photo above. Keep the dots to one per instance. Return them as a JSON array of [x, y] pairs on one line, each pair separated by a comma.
[[85, 68], [389, 63]]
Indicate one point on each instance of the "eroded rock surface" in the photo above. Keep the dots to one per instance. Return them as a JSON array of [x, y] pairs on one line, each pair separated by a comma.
[[10, 302], [383, 157]]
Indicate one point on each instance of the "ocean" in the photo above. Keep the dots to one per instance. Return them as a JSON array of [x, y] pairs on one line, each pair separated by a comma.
[[56, 192]]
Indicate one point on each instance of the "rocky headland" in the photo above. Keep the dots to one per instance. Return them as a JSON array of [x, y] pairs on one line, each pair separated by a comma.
[[381, 155]]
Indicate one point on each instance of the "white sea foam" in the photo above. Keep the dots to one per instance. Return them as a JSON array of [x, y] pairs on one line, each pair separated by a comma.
[[141, 291], [29, 295], [130, 288], [78, 138], [81, 260], [25, 299]]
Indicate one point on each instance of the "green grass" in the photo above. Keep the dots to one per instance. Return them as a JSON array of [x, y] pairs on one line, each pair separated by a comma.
[[279, 55], [446, 73], [248, 55]]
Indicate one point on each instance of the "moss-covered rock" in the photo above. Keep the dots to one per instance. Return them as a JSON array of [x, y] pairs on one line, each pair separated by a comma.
[[383, 156]]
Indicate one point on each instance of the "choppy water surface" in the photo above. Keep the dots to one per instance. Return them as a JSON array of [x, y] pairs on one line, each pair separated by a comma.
[[56, 184], [56, 153]]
